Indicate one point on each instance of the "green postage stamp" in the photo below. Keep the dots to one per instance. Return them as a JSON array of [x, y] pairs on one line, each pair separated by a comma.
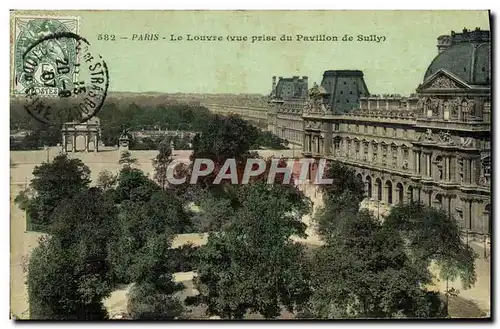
[[27, 31]]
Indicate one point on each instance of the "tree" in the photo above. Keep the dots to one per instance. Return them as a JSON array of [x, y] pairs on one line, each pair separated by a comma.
[[126, 159], [252, 265], [61, 286], [432, 235], [86, 221], [136, 113], [341, 199], [54, 182], [152, 296], [165, 211], [182, 143], [139, 221], [132, 184], [344, 181], [161, 163], [106, 180], [364, 272], [268, 140], [25, 197], [367, 269], [224, 137], [215, 213], [83, 226]]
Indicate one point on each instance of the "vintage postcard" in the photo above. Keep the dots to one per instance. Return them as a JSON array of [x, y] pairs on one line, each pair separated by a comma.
[[173, 165]]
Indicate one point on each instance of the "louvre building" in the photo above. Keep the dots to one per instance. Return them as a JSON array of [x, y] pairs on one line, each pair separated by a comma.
[[432, 146]]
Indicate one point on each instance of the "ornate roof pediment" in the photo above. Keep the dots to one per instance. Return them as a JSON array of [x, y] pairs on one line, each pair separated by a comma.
[[443, 79], [443, 137]]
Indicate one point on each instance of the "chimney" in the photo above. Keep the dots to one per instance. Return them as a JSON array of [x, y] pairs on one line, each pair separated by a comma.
[[444, 41], [273, 86], [305, 83]]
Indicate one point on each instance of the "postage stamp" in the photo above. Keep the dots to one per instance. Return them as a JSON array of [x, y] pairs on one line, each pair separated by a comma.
[[26, 31], [53, 62]]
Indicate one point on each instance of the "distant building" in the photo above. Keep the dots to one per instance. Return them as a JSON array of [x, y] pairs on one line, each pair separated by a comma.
[[80, 136], [153, 134], [19, 134], [288, 98]]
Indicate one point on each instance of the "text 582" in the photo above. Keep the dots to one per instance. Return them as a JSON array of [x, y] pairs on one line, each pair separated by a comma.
[[106, 37]]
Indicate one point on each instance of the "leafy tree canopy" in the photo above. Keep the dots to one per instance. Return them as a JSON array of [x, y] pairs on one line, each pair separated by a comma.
[[161, 163], [52, 183], [433, 235], [224, 137], [365, 273], [67, 282], [252, 265], [341, 199], [127, 159], [132, 184]]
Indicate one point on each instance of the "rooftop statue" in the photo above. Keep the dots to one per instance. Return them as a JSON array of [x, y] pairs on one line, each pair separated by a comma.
[[124, 134], [314, 92]]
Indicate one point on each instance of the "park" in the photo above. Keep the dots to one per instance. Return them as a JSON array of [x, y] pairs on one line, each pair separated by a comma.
[[472, 302]]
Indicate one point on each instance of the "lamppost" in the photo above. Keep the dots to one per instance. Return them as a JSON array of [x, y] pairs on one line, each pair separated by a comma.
[[46, 148], [378, 209]]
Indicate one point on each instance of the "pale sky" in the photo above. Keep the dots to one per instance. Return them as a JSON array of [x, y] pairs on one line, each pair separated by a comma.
[[394, 66]]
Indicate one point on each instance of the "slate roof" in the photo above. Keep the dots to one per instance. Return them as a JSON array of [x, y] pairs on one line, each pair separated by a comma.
[[468, 57]]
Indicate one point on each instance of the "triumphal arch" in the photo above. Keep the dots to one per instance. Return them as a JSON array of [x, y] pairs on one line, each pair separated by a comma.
[[90, 131]]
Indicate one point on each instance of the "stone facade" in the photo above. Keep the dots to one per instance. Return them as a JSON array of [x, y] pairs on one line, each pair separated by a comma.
[[433, 146], [287, 100]]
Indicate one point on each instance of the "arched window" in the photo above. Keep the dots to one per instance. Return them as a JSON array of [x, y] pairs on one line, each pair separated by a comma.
[[400, 191], [410, 193], [388, 190], [428, 108], [438, 201], [488, 219], [369, 186], [378, 183], [336, 146], [365, 150]]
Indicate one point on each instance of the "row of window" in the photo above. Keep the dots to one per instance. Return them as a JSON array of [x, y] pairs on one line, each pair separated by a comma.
[[366, 148], [371, 130], [289, 134], [292, 124]]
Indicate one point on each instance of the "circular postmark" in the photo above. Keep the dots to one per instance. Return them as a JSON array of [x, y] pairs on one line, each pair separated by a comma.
[[64, 80]]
